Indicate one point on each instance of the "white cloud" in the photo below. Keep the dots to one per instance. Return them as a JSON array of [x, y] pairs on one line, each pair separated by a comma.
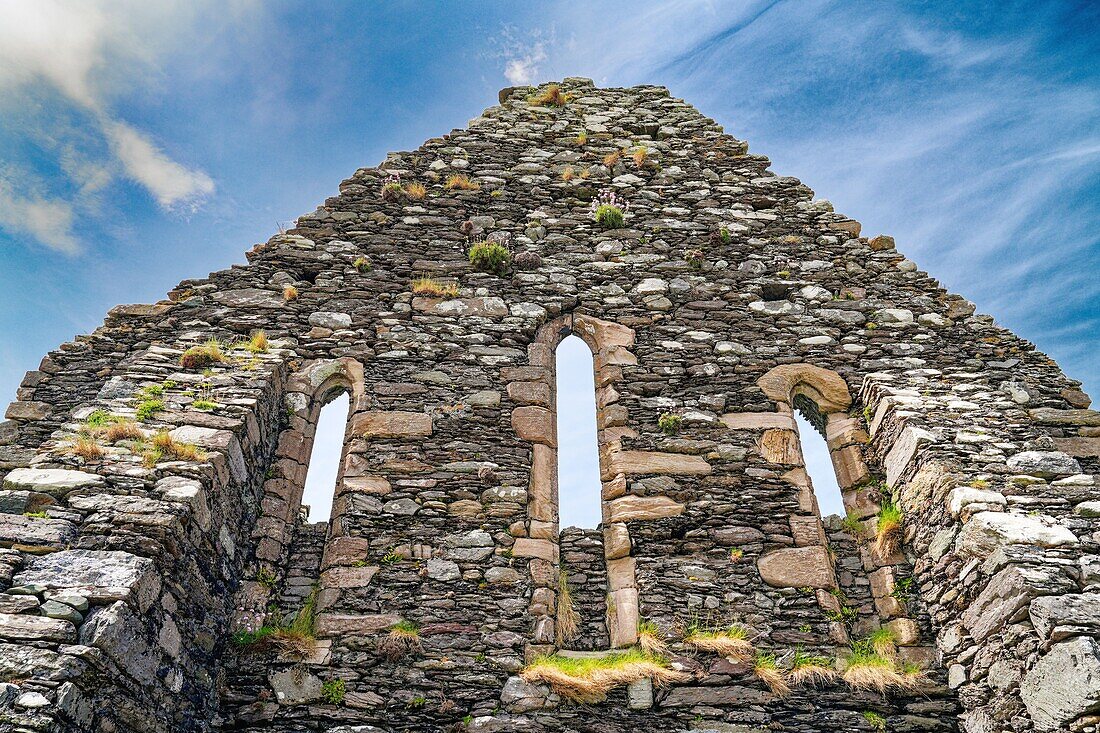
[[86, 51], [524, 69], [48, 221], [173, 185]]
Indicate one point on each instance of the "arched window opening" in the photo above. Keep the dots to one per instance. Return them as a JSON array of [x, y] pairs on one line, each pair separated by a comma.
[[815, 453], [579, 490], [324, 460]]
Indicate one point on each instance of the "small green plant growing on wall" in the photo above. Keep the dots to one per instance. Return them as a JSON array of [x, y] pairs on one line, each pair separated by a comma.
[[730, 641], [875, 720], [417, 702], [669, 423], [609, 210], [333, 691], [887, 529], [810, 669], [767, 671], [489, 256], [362, 265], [589, 679], [148, 408]]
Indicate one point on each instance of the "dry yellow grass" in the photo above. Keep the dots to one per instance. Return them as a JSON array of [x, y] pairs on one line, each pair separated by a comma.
[[650, 641], [290, 293], [163, 446], [731, 642], [415, 191], [428, 286], [766, 671], [87, 448], [567, 623], [123, 430], [552, 96], [640, 155], [462, 182], [611, 159], [588, 680], [873, 674]]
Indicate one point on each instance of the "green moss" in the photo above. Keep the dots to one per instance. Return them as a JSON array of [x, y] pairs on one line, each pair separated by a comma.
[[333, 691], [148, 408], [205, 405], [875, 720]]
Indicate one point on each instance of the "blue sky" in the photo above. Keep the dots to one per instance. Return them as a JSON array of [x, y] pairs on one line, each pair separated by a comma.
[[142, 142]]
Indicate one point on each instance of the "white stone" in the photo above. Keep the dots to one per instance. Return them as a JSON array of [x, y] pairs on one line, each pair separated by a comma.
[[964, 495], [986, 531], [55, 481]]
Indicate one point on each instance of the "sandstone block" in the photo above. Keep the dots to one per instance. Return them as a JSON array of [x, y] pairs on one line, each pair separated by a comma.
[[392, 424], [634, 462], [780, 446], [797, 567], [542, 549], [635, 508], [757, 420], [534, 424]]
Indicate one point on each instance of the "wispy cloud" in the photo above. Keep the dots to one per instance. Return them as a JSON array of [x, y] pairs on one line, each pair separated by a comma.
[[48, 221], [86, 51]]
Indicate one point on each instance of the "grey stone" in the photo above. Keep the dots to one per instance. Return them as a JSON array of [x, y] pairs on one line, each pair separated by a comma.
[[1064, 684], [37, 531], [987, 531], [521, 697], [1058, 617], [326, 319], [98, 575], [405, 507], [1044, 464], [53, 609], [27, 628], [295, 687], [443, 570], [52, 481], [1010, 591], [120, 634]]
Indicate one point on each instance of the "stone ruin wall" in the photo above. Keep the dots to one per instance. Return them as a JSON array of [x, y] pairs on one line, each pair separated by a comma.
[[124, 582]]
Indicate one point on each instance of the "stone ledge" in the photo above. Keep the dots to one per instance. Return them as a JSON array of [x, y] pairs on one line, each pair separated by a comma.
[[392, 424]]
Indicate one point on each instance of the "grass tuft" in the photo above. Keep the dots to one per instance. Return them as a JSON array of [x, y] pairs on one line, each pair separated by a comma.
[[868, 670], [551, 96], [887, 530], [433, 288], [164, 446], [148, 408], [567, 623], [808, 669], [768, 672], [290, 293], [461, 182], [403, 639], [87, 448], [731, 642], [123, 430], [490, 256], [589, 679], [200, 357], [415, 191], [258, 343], [651, 641]]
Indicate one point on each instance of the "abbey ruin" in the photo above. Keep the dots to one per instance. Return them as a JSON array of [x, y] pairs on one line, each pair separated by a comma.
[[157, 575]]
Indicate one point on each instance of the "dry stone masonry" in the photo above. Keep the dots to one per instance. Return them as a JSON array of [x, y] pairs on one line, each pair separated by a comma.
[[158, 574]]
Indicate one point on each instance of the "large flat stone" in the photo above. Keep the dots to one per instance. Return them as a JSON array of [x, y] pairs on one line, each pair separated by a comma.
[[18, 530], [1064, 684], [1011, 590], [392, 424], [987, 531], [797, 567], [634, 508], [121, 634], [1059, 617], [22, 627], [52, 481], [20, 660], [757, 420], [902, 453], [98, 575], [780, 446], [1044, 464], [342, 624], [635, 462]]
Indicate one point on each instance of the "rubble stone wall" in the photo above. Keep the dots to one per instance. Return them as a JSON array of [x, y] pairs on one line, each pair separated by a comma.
[[135, 569]]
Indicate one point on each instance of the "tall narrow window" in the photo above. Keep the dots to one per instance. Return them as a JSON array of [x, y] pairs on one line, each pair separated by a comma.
[[819, 466], [579, 491], [324, 460]]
